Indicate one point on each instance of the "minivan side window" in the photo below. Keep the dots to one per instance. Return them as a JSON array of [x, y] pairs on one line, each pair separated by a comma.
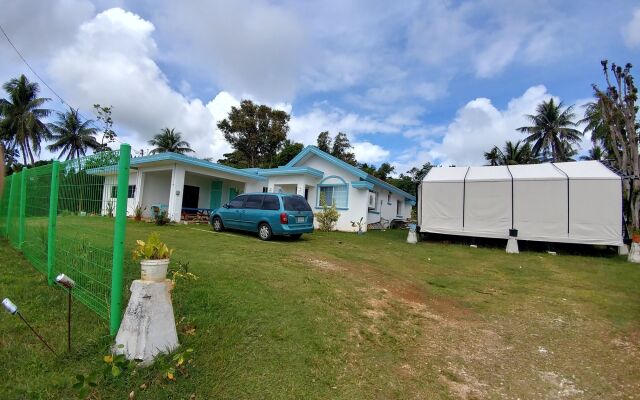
[[270, 203], [237, 202], [296, 203], [254, 201]]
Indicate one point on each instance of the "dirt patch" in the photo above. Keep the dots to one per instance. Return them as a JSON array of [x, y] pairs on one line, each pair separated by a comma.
[[324, 265], [461, 384]]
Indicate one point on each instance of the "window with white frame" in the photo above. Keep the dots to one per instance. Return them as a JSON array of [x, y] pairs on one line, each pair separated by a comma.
[[373, 200], [333, 195], [389, 197]]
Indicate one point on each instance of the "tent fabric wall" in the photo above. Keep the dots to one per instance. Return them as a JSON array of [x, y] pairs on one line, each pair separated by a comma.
[[578, 202]]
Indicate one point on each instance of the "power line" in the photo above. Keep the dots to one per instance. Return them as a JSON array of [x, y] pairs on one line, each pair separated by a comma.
[[42, 80]]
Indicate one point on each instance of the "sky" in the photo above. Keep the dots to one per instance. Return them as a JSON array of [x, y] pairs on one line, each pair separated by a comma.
[[409, 82]]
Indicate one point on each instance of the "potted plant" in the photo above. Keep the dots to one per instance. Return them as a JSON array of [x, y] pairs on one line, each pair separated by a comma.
[[137, 212], [359, 225], [154, 258], [636, 236]]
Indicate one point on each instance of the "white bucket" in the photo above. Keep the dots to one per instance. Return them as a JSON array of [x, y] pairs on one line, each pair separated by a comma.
[[154, 270]]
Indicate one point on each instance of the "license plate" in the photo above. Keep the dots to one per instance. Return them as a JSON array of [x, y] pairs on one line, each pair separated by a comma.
[[300, 220]]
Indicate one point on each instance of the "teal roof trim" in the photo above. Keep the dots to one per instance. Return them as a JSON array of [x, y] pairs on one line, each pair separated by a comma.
[[291, 171], [390, 187], [140, 161], [362, 185]]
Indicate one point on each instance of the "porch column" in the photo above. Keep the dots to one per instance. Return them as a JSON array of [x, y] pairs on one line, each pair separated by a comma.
[[175, 196], [137, 199]]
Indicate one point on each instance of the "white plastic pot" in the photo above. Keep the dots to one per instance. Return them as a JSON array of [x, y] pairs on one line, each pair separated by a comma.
[[154, 270]]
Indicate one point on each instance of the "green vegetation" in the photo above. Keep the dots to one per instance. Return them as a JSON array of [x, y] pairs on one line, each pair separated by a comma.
[[342, 316]]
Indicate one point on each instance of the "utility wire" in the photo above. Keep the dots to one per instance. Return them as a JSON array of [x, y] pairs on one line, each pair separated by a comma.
[[4, 33]]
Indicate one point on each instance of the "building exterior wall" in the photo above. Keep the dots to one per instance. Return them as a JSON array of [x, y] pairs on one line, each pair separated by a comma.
[[157, 185]]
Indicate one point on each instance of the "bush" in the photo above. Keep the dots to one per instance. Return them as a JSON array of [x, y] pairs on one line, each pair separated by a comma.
[[161, 218], [328, 217]]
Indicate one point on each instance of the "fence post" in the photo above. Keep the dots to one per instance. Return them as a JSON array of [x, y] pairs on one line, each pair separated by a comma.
[[53, 220], [10, 203], [23, 207], [119, 232]]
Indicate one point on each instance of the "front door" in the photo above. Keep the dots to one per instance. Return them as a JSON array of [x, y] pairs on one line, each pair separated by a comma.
[[190, 196], [216, 195]]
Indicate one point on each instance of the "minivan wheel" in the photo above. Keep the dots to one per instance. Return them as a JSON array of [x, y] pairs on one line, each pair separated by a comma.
[[264, 231], [217, 224]]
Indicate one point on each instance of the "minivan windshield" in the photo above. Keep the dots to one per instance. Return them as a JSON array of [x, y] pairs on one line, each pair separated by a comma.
[[296, 203]]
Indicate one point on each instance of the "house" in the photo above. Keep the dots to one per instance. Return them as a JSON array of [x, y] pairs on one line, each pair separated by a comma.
[[181, 184]]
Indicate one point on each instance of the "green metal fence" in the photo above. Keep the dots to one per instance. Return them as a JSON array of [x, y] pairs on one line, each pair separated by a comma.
[[70, 217]]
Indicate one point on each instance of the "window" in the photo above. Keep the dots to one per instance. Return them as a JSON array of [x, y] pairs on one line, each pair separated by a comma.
[[296, 203], [334, 195], [254, 201], [271, 203], [399, 212], [389, 198], [373, 200], [131, 191], [265, 189], [238, 202]]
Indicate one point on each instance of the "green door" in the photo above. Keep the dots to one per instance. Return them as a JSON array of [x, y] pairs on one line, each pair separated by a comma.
[[233, 192], [215, 200]]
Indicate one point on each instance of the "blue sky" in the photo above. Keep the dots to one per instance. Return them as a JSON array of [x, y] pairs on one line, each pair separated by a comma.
[[411, 82]]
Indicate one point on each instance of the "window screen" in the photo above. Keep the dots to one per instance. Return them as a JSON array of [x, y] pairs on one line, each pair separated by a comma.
[[296, 203], [131, 191], [271, 203], [254, 201], [334, 195]]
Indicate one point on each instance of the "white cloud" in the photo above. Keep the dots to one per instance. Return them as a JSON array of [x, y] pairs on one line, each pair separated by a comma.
[[367, 152], [631, 31], [243, 46], [111, 63], [479, 125]]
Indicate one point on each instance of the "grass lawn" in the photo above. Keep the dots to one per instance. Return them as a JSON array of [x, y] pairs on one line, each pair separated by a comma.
[[342, 316]]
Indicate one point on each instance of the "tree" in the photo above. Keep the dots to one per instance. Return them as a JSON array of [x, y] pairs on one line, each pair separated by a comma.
[[22, 115], [324, 142], [168, 140], [514, 154], [341, 149], [108, 134], [384, 171], [595, 153], [289, 150], [411, 178], [618, 107], [553, 131], [71, 136], [369, 169], [257, 132]]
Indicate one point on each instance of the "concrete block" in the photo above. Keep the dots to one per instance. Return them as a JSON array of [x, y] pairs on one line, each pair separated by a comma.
[[512, 246], [634, 253]]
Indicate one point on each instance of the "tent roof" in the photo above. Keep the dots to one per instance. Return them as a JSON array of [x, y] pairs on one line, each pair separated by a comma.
[[586, 170], [446, 174], [485, 174], [536, 172], [524, 172]]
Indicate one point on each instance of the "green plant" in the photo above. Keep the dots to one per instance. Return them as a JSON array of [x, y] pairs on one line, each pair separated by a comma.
[[113, 366], [328, 217], [161, 218], [359, 224], [181, 360], [152, 249], [138, 210], [110, 208], [181, 273]]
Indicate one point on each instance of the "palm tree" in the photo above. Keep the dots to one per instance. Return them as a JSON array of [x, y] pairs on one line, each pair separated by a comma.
[[21, 116], [595, 153], [168, 140], [553, 131], [494, 156], [511, 154], [72, 136]]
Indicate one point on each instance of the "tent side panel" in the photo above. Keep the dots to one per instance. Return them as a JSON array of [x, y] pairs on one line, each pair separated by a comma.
[[540, 210], [596, 211], [442, 207], [488, 208]]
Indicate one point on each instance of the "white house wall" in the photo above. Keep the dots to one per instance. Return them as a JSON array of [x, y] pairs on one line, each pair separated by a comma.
[[156, 189]]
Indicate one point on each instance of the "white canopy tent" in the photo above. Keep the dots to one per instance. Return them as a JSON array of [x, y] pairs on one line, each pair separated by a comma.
[[575, 202]]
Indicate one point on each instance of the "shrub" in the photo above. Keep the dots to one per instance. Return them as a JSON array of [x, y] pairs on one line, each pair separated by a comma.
[[161, 218], [328, 217]]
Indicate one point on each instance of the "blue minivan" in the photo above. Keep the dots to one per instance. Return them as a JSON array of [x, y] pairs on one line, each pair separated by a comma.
[[268, 214]]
